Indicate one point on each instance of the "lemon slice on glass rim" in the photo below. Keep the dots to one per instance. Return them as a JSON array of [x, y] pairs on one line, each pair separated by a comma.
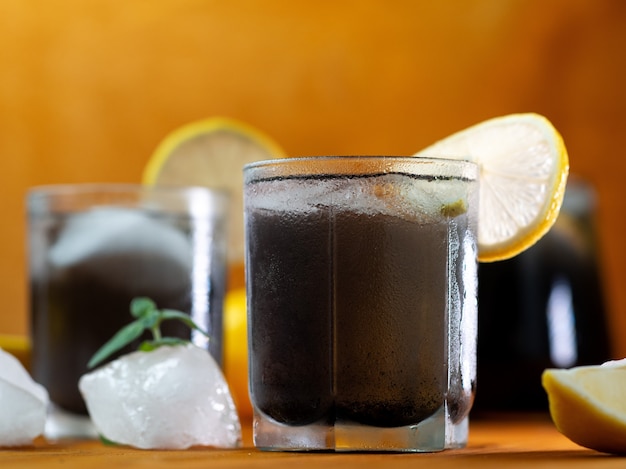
[[211, 153], [523, 172], [587, 404]]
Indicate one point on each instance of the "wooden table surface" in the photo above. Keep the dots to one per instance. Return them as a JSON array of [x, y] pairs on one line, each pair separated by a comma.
[[499, 441]]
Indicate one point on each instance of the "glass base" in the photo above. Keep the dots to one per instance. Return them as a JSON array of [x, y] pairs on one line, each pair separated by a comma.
[[436, 433], [457, 433]]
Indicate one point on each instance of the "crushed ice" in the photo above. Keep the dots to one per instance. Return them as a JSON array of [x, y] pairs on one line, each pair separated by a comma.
[[392, 194], [23, 404], [169, 398]]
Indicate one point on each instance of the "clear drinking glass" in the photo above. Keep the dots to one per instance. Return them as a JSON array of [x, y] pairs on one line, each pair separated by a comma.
[[361, 281], [92, 249]]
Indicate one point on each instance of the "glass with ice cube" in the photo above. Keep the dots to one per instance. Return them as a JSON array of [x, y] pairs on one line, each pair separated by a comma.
[[361, 282], [92, 249]]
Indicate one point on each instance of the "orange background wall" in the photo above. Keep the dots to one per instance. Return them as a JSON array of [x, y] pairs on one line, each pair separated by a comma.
[[88, 89]]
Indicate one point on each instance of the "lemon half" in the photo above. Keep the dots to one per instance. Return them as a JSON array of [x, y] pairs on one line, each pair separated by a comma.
[[211, 153], [587, 404], [523, 172]]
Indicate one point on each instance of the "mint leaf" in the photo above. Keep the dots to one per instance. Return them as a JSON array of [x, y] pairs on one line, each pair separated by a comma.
[[105, 441], [184, 318], [141, 306], [149, 345], [124, 337], [149, 318]]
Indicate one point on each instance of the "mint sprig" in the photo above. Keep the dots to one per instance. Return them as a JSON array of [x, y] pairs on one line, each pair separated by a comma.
[[148, 318]]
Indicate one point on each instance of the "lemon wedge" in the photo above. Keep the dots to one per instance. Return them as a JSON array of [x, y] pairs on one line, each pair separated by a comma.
[[523, 172], [212, 152], [587, 404]]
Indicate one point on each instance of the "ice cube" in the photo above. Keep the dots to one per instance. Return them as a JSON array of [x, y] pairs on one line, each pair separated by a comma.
[[103, 240], [169, 398], [399, 195], [23, 404]]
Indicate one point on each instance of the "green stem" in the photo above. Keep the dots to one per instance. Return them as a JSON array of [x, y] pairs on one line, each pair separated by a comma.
[[156, 331]]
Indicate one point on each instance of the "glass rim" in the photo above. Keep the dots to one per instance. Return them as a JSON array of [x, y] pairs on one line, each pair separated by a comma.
[[66, 189], [367, 164], [61, 198]]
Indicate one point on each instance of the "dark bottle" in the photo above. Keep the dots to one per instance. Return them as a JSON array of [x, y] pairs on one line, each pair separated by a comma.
[[541, 309]]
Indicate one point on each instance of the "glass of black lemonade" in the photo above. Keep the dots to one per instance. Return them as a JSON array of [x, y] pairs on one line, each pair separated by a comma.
[[362, 281], [92, 249]]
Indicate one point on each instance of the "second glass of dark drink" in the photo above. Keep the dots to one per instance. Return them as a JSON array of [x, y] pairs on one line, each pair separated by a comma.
[[361, 282], [95, 247]]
